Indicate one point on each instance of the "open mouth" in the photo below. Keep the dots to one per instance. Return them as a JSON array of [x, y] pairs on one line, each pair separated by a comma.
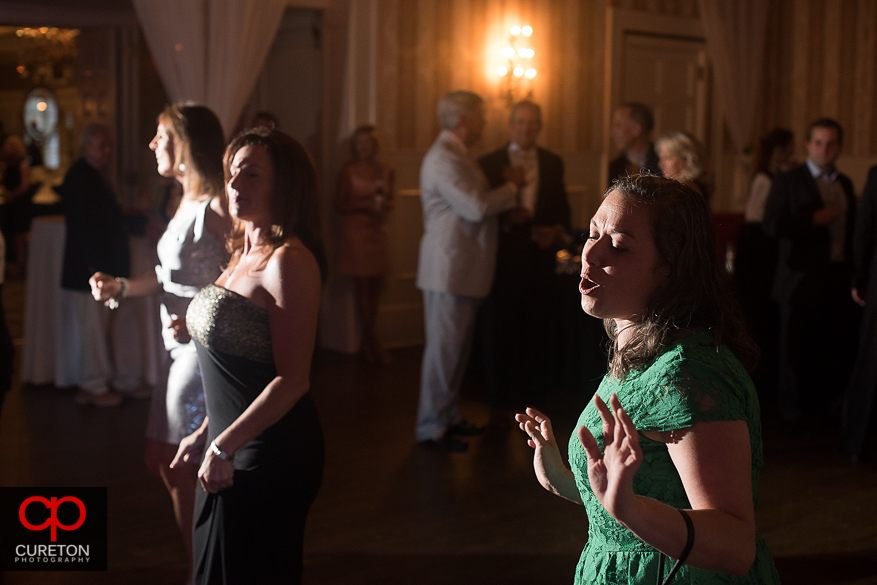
[[587, 286]]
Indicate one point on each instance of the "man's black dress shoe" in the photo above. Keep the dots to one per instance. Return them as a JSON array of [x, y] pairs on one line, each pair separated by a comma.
[[464, 429], [447, 443]]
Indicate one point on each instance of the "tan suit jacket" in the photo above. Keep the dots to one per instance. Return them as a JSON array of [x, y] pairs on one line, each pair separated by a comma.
[[460, 225]]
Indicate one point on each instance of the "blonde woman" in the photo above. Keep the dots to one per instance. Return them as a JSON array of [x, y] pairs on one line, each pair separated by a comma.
[[681, 157], [188, 147]]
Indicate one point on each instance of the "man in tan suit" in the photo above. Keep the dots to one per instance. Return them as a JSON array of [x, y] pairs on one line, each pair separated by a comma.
[[457, 261]]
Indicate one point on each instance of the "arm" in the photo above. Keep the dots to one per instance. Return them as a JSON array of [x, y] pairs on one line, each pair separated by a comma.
[[105, 286], [758, 193], [462, 189], [292, 281], [551, 472], [864, 238], [192, 447], [713, 461]]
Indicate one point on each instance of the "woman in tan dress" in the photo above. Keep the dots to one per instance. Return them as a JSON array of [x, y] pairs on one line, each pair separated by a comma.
[[363, 197]]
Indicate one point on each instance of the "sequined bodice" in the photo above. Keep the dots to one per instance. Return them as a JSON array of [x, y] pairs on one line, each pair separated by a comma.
[[224, 321]]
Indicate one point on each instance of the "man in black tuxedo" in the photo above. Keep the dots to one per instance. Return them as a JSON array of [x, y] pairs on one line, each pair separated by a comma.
[[632, 124], [96, 241], [811, 209], [520, 311]]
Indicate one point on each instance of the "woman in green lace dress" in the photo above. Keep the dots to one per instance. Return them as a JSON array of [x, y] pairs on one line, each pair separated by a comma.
[[673, 435]]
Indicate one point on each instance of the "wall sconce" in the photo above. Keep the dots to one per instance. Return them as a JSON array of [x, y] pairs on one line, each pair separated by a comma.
[[518, 71]]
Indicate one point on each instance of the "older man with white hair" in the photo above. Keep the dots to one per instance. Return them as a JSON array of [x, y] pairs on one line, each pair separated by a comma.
[[96, 241], [457, 261]]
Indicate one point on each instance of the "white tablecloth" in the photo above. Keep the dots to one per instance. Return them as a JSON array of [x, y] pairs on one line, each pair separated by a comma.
[[46, 358]]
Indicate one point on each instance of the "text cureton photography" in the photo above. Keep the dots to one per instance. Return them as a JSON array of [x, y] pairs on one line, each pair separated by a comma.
[[53, 529]]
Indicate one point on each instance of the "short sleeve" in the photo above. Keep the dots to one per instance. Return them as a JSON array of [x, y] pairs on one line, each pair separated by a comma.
[[694, 382]]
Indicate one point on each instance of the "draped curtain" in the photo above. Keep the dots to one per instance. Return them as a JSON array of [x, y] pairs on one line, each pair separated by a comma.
[[210, 51], [735, 38]]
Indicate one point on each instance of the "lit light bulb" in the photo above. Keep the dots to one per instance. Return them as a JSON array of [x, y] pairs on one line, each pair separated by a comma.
[[501, 71], [508, 52], [518, 71], [44, 29], [531, 73], [522, 52], [527, 31], [530, 53], [515, 30], [42, 106]]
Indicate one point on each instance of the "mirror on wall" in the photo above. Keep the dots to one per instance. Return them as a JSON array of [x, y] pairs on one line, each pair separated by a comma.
[[41, 124]]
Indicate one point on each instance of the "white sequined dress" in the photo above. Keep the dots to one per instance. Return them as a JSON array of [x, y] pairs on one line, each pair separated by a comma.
[[189, 258]]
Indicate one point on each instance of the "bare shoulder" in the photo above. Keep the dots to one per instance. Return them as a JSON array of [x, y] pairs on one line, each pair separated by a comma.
[[292, 272], [219, 206], [217, 220]]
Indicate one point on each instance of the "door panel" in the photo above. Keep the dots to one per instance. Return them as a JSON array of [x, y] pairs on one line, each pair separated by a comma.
[[669, 75]]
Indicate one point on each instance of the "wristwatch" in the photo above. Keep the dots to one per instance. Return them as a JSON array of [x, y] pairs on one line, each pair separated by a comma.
[[219, 452]]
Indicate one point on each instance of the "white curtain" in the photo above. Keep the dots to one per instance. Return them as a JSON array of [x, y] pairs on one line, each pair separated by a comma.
[[210, 51], [240, 36], [735, 36]]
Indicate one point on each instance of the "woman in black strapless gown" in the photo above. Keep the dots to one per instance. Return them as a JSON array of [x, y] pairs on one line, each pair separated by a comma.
[[255, 330]]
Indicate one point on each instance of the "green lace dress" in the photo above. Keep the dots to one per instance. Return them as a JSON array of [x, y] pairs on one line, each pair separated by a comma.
[[691, 382]]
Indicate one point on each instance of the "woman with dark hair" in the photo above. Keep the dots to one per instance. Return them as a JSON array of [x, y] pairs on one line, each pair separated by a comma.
[[772, 157], [667, 457], [364, 195], [188, 147], [255, 329], [756, 254]]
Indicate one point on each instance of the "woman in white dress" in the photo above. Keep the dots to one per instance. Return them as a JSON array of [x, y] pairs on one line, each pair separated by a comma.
[[188, 146]]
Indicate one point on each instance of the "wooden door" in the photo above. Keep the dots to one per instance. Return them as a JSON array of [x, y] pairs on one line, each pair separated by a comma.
[[670, 75]]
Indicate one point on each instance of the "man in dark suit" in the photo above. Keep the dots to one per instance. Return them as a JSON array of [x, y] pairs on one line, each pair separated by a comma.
[[811, 209], [96, 241], [520, 310], [632, 124]]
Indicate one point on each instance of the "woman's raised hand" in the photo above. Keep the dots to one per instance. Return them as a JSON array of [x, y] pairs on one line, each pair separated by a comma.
[[103, 286], [551, 472], [538, 427], [611, 472]]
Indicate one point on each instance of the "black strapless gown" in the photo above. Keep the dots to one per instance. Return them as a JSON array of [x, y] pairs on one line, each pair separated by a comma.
[[252, 532]]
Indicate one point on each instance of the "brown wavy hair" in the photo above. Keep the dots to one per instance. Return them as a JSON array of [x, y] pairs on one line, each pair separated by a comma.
[[295, 205], [198, 144], [697, 293]]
